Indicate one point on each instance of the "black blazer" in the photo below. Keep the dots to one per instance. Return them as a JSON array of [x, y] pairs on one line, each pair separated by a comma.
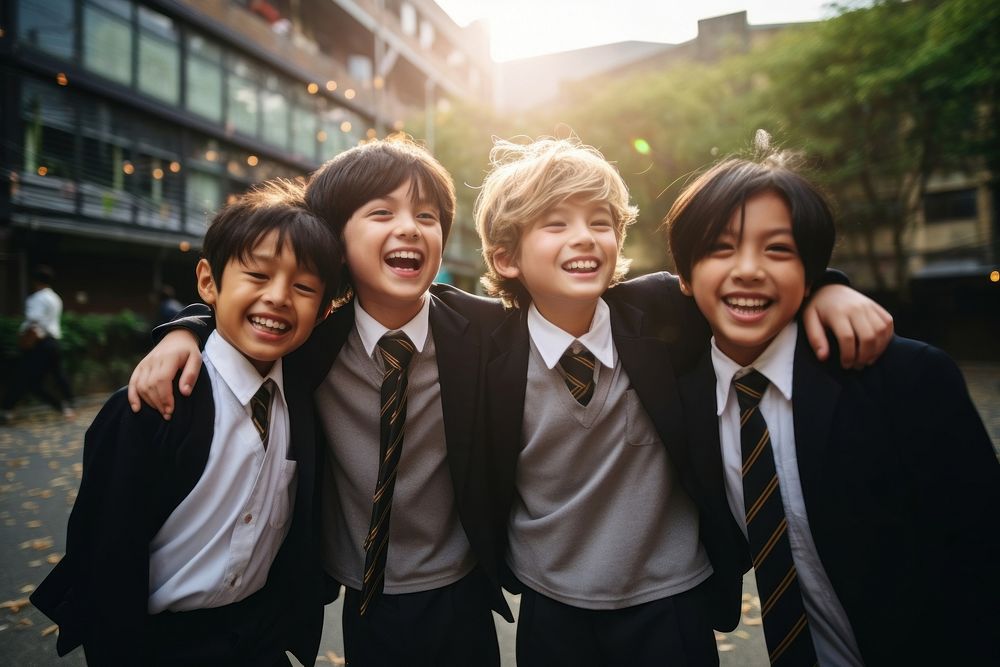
[[457, 321], [136, 470], [901, 485], [655, 329]]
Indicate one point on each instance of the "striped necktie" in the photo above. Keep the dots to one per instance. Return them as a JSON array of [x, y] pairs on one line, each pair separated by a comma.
[[396, 350], [786, 627], [579, 374], [260, 410]]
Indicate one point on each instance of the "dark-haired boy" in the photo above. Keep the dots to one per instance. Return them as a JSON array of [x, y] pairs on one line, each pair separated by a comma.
[[421, 592], [856, 496], [182, 548]]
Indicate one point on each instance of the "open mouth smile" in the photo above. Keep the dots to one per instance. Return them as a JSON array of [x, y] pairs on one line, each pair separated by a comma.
[[405, 260]]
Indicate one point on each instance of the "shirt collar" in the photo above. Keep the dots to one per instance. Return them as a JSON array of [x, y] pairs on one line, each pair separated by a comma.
[[775, 363], [371, 330], [237, 371], [552, 342]]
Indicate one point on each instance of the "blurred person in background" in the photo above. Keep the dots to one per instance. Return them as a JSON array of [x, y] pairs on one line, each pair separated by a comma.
[[38, 339]]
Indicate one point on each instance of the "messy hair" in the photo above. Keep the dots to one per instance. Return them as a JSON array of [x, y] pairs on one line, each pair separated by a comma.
[[526, 180]]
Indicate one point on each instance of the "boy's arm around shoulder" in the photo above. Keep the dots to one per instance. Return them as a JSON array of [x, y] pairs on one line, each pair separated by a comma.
[[98, 592]]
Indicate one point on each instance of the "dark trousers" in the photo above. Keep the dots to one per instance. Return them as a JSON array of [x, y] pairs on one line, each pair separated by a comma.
[[248, 632], [30, 372], [675, 631], [450, 626]]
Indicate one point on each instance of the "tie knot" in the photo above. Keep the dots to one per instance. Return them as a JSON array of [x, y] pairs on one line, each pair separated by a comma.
[[579, 370], [263, 394], [749, 389], [396, 350]]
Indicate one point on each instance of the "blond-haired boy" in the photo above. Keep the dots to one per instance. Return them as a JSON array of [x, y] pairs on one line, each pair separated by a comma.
[[598, 533]]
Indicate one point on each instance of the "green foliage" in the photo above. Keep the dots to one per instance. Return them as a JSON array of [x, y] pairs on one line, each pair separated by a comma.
[[880, 97], [98, 351]]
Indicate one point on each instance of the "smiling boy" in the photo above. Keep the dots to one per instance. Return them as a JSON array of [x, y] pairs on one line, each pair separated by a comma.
[[173, 544], [856, 496]]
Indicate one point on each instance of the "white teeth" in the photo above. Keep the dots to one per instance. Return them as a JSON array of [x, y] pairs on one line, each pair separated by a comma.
[[404, 254], [585, 264], [268, 323], [746, 302]]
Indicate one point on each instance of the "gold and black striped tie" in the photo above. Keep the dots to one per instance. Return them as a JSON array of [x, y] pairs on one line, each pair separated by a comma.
[[579, 374], [260, 410], [396, 350], [786, 627]]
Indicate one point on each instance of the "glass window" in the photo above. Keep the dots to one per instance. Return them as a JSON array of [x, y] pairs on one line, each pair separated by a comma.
[[48, 25], [304, 132], [48, 130], [948, 206], [274, 106], [204, 196], [159, 57], [204, 78], [243, 104], [107, 45]]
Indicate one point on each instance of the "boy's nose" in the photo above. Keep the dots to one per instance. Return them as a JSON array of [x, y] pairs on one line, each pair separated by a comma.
[[747, 266], [277, 292], [406, 226]]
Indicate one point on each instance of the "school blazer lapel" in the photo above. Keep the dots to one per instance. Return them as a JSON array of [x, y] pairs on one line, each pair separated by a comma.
[[814, 399], [645, 359], [458, 376], [704, 451], [506, 382]]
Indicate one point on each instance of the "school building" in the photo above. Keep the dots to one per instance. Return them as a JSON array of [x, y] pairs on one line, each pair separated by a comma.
[[126, 122]]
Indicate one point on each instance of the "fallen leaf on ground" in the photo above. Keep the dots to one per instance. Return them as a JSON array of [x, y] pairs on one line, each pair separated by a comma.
[[34, 523], [752, 621], [53, 558], [743, 634], [27, 588], [34, 563], [335, 659], [49, 630], [25, 622], [726, 648], [720, 636], [14, 605]]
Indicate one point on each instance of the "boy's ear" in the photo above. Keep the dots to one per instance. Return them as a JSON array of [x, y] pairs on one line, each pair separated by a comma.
[[685, 288], [505, 265], [206, 283]]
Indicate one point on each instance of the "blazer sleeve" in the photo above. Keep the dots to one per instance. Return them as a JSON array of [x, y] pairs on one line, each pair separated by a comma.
[[98, 593], [197, 318], [955, 474]]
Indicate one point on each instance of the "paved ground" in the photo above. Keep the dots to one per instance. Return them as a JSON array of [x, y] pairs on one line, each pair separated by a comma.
[[39, 474]]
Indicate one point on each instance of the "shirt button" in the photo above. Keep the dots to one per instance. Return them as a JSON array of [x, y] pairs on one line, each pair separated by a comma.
[[248, 518]]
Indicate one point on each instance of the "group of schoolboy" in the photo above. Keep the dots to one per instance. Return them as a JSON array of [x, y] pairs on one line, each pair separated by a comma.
[[423, 447]]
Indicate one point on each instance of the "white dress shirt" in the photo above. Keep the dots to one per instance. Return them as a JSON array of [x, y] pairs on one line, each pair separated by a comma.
[[828, 622], [218, 545], [371, 330], [43, 309], [552, 342]]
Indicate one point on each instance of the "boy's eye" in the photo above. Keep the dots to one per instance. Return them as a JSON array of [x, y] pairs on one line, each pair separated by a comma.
[[308, 289], [380, 212], [603, 224], [720, 246], [781, 248], [255, 275], [429, 216]]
